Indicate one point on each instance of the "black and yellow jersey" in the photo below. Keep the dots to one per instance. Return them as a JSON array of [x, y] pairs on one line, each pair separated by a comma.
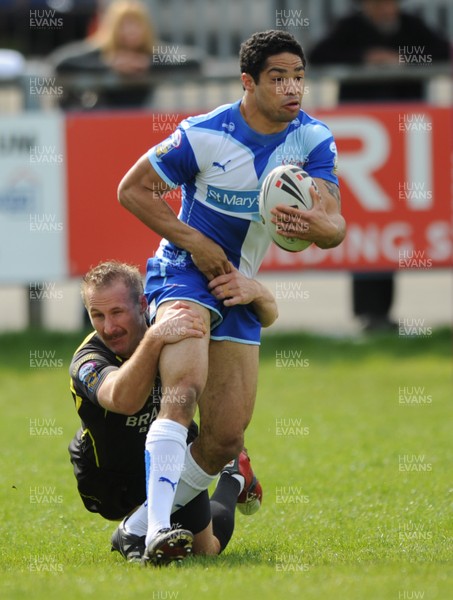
[[109, 440]]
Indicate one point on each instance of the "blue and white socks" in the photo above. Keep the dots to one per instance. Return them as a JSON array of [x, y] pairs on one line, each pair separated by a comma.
[[165, 451]]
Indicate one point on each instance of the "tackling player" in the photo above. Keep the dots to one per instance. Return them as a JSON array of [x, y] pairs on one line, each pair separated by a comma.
[[220, 160], [117, 395]]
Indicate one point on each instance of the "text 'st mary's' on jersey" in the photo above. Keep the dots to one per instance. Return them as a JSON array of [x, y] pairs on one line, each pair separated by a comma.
[[110, 440], [220, 164]]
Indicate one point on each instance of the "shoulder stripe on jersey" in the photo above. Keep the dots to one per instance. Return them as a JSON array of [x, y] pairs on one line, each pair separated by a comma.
[[77, 399], [153, 160], [87, 339], [234, 140], [194, 120]]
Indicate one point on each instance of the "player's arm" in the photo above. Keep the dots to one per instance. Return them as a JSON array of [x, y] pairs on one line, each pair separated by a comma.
[[126, 389], [235, 288], [323, 224], [140, 192], [330, 229]]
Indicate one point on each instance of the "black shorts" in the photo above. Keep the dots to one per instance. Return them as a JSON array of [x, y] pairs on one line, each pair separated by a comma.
[[114, 495], [111, 494]]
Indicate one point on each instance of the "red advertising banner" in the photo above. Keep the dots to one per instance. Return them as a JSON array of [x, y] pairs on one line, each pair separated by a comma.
[[395, 175], [100, 149]]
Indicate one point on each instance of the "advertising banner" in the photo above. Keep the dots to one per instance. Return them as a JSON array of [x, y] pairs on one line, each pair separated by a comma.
[[395, 176], [33, 227]]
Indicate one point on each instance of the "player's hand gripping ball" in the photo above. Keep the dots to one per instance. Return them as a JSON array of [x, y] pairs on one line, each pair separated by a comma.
[[289, 185]]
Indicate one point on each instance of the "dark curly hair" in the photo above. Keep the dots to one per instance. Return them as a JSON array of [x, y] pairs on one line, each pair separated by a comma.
[[256, 50]]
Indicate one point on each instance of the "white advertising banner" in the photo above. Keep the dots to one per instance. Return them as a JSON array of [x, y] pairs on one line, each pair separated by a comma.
[[33, 228]]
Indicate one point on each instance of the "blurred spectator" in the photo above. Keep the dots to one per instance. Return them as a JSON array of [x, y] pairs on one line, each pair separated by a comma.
[[124, 45], [378, 33], [12, 63], [37, 27]]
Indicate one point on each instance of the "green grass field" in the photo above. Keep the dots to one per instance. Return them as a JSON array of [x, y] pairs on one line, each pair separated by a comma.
[[352, 443]]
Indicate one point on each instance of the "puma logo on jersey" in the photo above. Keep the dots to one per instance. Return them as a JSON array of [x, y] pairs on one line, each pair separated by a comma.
[[220, 166], [173, 485]]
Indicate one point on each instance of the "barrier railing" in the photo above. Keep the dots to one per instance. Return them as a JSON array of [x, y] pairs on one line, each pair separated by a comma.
[[191, 90]]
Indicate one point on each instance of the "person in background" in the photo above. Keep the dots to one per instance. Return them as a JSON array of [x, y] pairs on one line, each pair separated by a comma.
[[125, 38], [125, 45], [122, 45], [376, 35]]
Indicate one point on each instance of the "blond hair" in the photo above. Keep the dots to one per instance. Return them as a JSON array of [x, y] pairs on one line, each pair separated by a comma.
[[110, 271], [106, 37]]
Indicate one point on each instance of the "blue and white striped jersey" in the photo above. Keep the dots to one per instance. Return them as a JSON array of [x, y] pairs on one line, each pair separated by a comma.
[[220, 164]]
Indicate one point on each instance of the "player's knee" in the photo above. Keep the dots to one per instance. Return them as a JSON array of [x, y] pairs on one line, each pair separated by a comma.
[[180, 400], [205, 543], [185, 392], [185, 389], [226, 447]]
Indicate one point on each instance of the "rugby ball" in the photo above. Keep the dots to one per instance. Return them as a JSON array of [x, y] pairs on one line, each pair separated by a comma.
[[288, 185]]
